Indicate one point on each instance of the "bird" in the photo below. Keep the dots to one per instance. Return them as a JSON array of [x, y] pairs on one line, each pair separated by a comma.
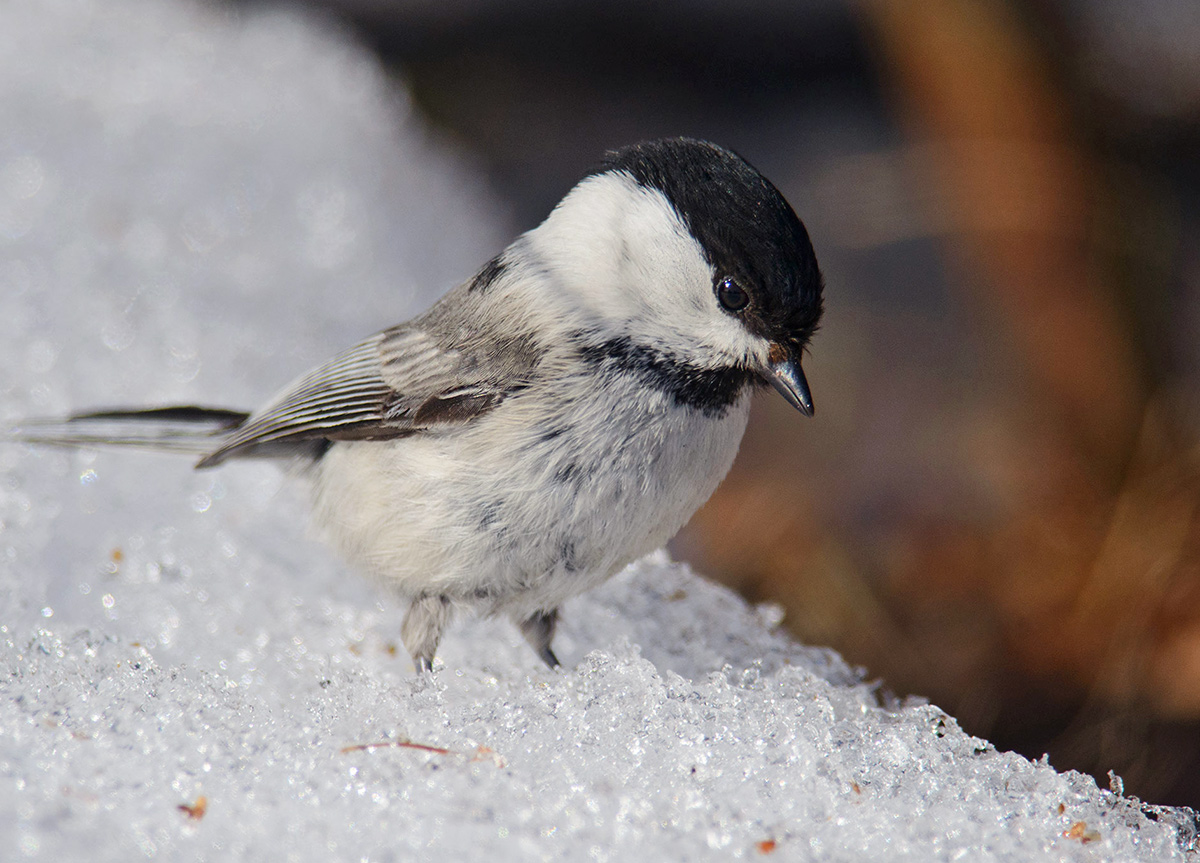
[[552, 419]]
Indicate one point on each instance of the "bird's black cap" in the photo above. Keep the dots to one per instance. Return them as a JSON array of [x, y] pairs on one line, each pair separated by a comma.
[[747, 230]]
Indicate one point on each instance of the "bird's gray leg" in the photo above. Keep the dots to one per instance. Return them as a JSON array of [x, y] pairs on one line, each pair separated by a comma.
[[538, 630], [426, 619]]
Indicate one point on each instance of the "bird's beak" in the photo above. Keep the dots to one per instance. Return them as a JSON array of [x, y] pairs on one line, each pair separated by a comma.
[[784, 373]]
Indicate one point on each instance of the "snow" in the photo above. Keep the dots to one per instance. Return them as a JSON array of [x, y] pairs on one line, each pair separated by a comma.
[[195, 206]]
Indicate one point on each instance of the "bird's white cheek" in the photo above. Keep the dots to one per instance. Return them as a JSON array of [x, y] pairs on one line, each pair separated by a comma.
[[667, 283], [620, 253]]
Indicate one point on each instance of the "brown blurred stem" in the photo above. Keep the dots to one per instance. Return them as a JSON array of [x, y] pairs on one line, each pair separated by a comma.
[[974, 91]]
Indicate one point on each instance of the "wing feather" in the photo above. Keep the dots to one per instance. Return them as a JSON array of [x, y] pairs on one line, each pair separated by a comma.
[[397, 382]]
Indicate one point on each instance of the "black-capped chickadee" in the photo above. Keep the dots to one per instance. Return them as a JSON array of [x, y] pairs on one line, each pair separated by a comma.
[[556, 417]]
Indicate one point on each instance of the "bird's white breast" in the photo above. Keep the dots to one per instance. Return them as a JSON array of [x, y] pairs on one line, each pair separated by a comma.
[[523, 508]]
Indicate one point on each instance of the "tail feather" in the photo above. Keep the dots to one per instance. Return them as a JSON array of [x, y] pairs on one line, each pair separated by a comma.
[[181, 429]]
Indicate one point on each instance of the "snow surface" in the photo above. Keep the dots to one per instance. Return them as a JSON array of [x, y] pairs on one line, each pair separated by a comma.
[[195, 206]]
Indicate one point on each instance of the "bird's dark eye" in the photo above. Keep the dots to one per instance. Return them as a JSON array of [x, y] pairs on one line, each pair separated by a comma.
[[731, 296]]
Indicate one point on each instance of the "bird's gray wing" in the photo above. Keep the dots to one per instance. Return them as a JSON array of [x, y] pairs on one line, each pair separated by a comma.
[[398, 382]]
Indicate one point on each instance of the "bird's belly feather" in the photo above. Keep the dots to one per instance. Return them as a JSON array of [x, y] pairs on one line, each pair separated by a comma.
[[519, 511]]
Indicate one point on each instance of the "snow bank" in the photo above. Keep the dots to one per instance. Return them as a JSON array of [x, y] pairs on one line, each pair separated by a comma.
[[194, 207]]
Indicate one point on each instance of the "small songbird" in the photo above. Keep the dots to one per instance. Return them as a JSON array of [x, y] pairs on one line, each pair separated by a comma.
[[554, 418]]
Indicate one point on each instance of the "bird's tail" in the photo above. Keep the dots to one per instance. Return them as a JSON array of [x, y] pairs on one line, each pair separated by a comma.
[[184, 429]]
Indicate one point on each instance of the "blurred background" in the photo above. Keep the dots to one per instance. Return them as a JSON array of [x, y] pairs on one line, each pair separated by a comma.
[[996, 506]]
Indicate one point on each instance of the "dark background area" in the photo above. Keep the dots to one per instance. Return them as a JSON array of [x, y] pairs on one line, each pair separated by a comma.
[[997, 505]]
